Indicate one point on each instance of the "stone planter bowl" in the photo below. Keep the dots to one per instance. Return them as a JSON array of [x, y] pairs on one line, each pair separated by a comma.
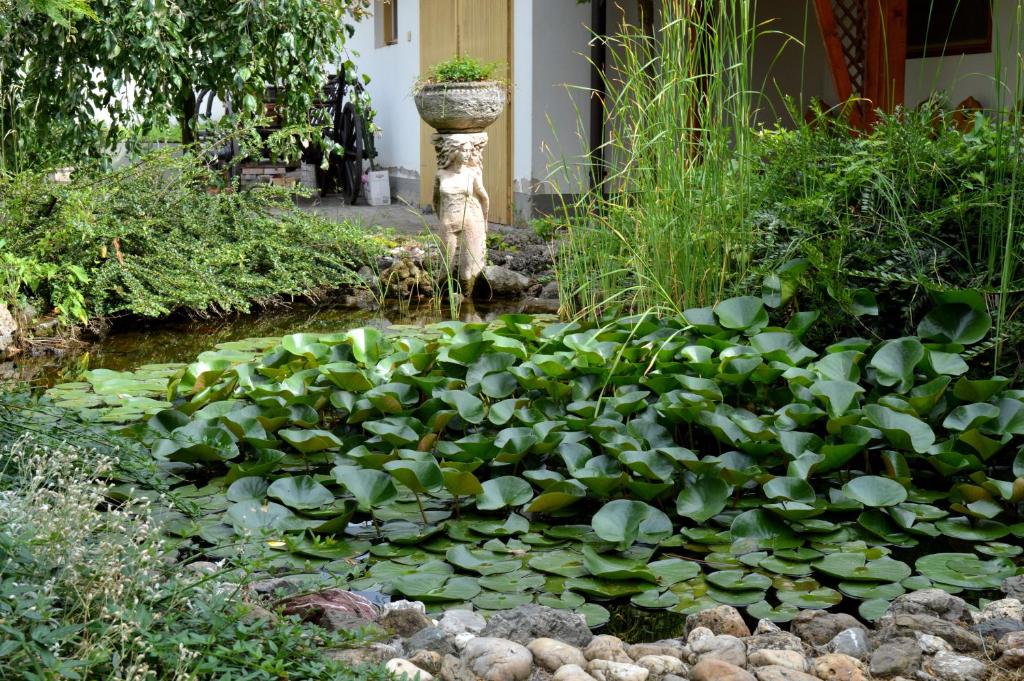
[[461, 107]]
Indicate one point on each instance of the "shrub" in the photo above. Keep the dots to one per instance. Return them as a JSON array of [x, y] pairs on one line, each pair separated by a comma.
[[460, 69], [150, 239]]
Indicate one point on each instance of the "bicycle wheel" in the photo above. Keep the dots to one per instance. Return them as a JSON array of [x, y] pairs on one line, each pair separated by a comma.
[[351, 169]]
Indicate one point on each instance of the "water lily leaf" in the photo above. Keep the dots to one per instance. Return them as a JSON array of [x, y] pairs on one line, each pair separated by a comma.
[[780, 614], [625, 521], [790, 488], [461, 483], [965, 570], [609, 566], [558, 496], [309, 441], [370, 488], [560, 562], [671, 571], [395, 430], [490, 600], [503, 492], [895, 361], [424, 588], [875, 491], [744, 313], [817, 599], [902, 430], [655, 599], [567, 600], [704, 498], [738, 580], [980, 390], [970, 416], [871, 590], [347, 376], [976, 530], [301, 492], [248, 489], [737, 599], [418, 476], [837, 395], [955, 323], [253, 515], [595, 615], [856, 567], [482, 561], [513, 582], [469, 407], [606, 588], [763, 529]]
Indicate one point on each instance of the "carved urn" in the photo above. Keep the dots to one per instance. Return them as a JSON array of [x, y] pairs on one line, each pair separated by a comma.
[[452, 108]]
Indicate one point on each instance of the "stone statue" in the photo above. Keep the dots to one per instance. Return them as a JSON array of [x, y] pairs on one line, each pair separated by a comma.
[[461, 203]]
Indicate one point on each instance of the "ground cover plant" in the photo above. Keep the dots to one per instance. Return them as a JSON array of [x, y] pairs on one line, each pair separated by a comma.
[[675, 462], [89, 588], [149, 239]]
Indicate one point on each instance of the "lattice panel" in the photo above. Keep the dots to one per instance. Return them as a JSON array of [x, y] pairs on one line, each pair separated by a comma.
[[851, 20]]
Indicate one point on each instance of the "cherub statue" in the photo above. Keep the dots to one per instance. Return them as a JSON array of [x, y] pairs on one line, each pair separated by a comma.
[[462, 204]]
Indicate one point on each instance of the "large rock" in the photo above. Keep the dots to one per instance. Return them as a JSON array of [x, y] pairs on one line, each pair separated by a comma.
[[782, 674], [952, 667], [430, 638], [404, 622], [997, 627], [668, 647], [8, 330], [777, 641], [819, 627], [853, 642], [461, 621], [315, 607], [896, 657], [552, 655], [501, 282], [777, 658], [428, 660], [1006, 608], [1012, 640], [373, 654], [931, 602], [399, 668], [910, 625], [724, 619], [838, 667], [527, 622], [1013, 587], [607, 648], [572, 672], [661, 666], [723, 647], [717, 670], [496, 659], [607, 670], [454, 669]]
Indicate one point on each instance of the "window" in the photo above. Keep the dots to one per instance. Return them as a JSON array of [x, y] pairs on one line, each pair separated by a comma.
[[386, 15], [937, 28]]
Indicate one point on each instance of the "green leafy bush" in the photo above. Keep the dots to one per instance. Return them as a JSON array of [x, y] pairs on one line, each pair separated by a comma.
[[460, 69], [150, 239], [640, 449], [86, 590]]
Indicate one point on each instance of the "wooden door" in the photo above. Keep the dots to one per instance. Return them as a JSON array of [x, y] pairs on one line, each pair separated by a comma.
[[481, 29]]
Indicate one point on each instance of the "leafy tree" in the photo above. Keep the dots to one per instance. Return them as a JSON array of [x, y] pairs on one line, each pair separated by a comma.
[[139, 62]]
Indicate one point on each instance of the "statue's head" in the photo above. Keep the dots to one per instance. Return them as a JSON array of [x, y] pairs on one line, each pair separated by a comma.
[[457, 151]]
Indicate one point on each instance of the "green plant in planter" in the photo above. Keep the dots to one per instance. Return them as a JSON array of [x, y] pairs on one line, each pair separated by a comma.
[[677, 462], [460, 69]]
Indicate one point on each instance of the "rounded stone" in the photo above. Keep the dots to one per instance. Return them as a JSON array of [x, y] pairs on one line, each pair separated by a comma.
[[949, 666], [527, 622], [818, 627], [496, 659], [1011, 640], [430, 638], [724, 647], [717, 670], [662, 665], [782, 674], [896, 657], [724, 619], [853, 642], [399, 668], [606, 670], [572, 672], [428, 660], [461, 621], [460, 107], [1006, 608], [838, 667], [778, 658], [552, 655], [668, 647], [932, 602], [607, 648], [932, 644], [1012, 658], [404, 622]]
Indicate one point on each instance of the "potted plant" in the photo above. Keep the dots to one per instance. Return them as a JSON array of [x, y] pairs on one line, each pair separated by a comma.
[[460, 95]]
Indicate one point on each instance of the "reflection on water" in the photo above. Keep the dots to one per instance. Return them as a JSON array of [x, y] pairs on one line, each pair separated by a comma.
[[132, 344]]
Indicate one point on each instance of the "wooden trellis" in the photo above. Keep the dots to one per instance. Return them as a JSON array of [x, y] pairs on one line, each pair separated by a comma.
[[866, 44]]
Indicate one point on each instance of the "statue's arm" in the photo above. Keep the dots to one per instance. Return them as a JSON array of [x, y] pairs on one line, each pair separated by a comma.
[[481, 195], [437, 195]]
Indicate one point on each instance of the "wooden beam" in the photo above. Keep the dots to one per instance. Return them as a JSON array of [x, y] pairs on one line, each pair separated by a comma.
[[834, 49], [886, 67]]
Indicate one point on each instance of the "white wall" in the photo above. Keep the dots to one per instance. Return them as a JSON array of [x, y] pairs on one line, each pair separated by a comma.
[[393, 70]]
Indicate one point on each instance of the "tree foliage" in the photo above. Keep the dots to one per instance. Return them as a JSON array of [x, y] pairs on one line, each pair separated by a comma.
[[87, 76]]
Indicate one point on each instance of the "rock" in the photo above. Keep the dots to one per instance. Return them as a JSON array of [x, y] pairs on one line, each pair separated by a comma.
[[453, 669], [8, 329], [949, 666], [539, 306], [550, 291], [766, 627], [314, 607], [838, 667], [997, 627], [782, 674], [1006, 608], [552, 655], [853, 642], [572, 672], [931, 602], [404, 622], [501, 282], [909, 625], [461, 621], [1013, 587], [496, 659], [777, 658], [399, 668], [1011, 640], [717, 670], [255, 613], [392, 606], [724, 619], [1012, 658], [462, 639], [896, 656], [527, 622], [699, 634], [430, 638], [778, 641], [539, 674], [723, 647], [606, 670], [335, 620], [661, 666], [283, 586], [668, 647], [203, 568], [607, 648], [373, 653], [819, 627], [428, 660], [932, 644]]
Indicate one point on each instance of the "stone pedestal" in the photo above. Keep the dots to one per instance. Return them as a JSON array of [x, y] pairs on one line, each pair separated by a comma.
[[462, 204]]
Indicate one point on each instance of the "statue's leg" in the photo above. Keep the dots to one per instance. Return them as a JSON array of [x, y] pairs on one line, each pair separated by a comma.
[[472, 254]]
